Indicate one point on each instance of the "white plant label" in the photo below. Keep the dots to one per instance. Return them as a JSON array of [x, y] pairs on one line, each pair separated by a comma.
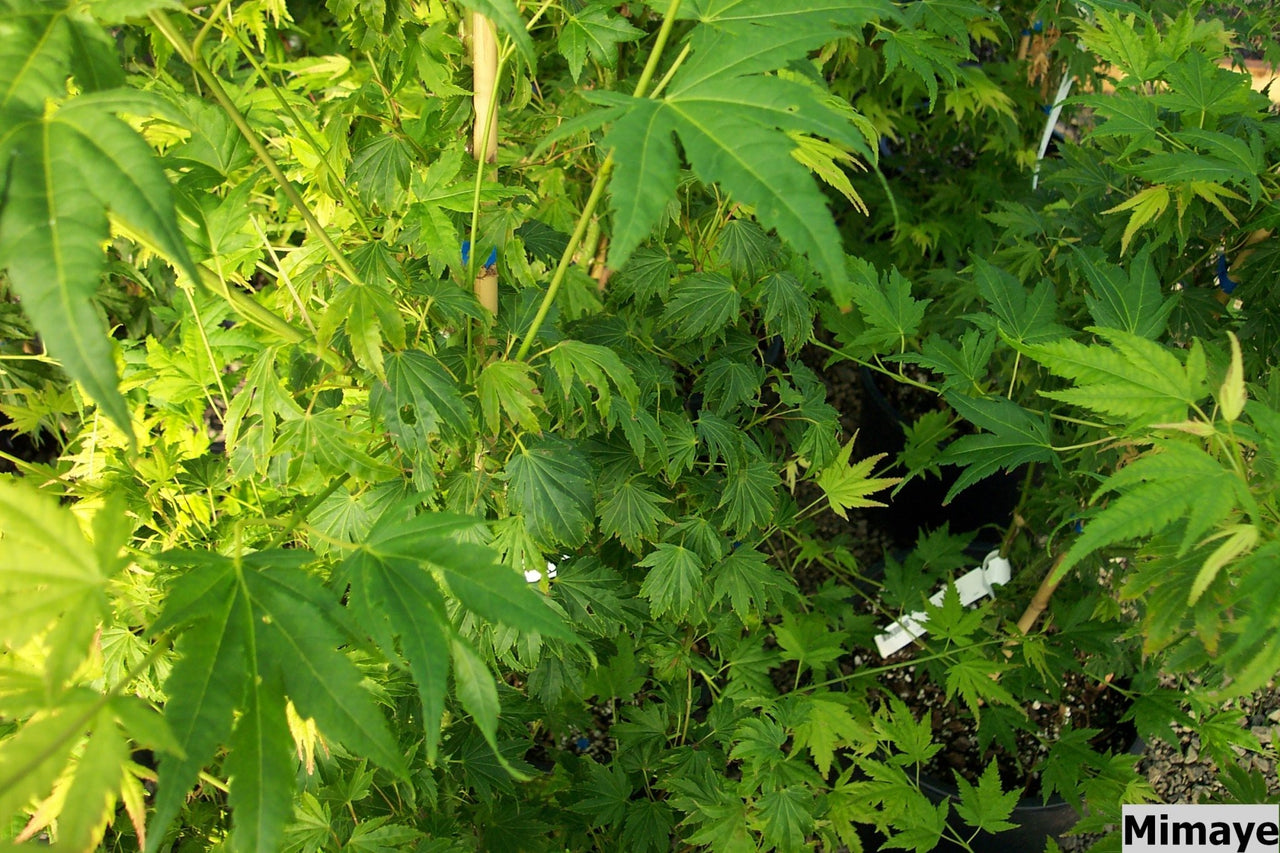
[[978, 583], [533, 575]]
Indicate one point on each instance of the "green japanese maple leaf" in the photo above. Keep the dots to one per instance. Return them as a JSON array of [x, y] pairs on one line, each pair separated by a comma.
[[634, 514], [1129, 300], [1134, 380], [847, 486], [596, 30], [674, 580], [986, 806], [1013, 437], [549, 483], [1026, 316], [891, 313]]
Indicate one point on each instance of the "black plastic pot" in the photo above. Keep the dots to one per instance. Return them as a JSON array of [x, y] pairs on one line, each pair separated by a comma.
[[919, 504], [1035, 821]]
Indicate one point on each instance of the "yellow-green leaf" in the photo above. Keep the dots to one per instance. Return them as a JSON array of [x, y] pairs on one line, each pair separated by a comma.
[[1144, 207], [847, 486]]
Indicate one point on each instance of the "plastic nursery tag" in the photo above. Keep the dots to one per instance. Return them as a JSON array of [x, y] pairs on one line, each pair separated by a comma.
[[533, 575], [976, 584]]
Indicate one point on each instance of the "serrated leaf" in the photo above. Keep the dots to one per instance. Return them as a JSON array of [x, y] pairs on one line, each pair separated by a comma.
[[828, 725], [1131, 302], [746, 248], [891, 313], [986, 806], [973, 679], [419, 399], [1025, 317], [32, 759], [963, 368], [596, 367], [48, 571], [747, 580], [1014, 437], [380, 171], [549, 484], [1144, 207], [78, 163], [648, 273], [750, 494], [605, 800], [1173, 482], [788, 309], [788, 816], [260, 770], [847, 486], [727, 383], [1232, 395], [368, 313], [733, 126], [633, 513], [1135, 380], [476, 690], [506, 387], [673, 580], [703, 305], [320, 680], [596, 31]]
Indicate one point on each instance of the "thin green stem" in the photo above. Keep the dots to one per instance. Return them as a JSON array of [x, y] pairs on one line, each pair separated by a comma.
[[671, 72], [338, 181], [655, 55], [566, 259], [597, 190], [184, 49]]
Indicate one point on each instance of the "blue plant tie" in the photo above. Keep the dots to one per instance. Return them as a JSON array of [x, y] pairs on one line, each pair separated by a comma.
[[466, 254], [582, 743], [1224, 280]]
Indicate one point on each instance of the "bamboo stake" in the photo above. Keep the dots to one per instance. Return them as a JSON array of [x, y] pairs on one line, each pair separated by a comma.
[[484, 139], [1040, 600]]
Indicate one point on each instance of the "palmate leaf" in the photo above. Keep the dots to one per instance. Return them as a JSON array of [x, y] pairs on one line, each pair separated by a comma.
[[256, 633], [1135, 381], [64, 171], [419, 399], [704, 304], [1014, 437], [633, 513], [595, 30], [986, 806], [1026, 317], [596, 367], [673, 581], [49, 572], [892, 314], [1172, 483], [847, 486], [550, 485], [395, 595], [733, 124], [1130, 301]]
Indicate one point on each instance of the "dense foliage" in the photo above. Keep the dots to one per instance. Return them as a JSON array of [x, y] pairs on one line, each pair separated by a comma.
[[330, 328]]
